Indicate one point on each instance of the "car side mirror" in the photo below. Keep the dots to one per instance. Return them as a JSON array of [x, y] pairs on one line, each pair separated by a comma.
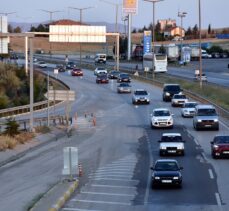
[[152, 168], [181, 168]]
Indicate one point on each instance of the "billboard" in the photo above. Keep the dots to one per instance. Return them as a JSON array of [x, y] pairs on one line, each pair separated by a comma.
[[130, 6], [147, 42], [4, 40], [77, 33]]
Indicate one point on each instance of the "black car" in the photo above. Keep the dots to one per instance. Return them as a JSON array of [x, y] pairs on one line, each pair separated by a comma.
[[70, 65], [123, 77], [60, 68], [102, 78], [169, 90], [113, 74], [166, 172]]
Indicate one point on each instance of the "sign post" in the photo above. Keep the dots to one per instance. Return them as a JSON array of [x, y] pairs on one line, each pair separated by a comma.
[[147, 42]]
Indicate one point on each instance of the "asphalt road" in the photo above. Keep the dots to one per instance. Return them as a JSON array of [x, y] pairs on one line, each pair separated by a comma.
[[116, 156]]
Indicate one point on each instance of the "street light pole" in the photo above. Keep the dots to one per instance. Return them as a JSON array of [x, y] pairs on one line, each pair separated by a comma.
[[81, 20], [153, 47], [181, 15], [200, 50]]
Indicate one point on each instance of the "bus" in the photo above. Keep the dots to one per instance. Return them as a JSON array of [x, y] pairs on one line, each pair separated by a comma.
[[160, 65]]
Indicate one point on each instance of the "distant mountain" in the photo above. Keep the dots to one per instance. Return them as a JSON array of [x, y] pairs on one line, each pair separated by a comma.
[[110, 26]]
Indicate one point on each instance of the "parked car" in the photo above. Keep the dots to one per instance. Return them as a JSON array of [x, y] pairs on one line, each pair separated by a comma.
[[203, 77], [220, 146], [205, 117], [169, 90], [188, 109], [161, 118], [123, 77], [113, 74], [102, 78], [41, 64], [166, 172], [179, 100], [100, 70], [141, 96], [124, 88], [171, 143], [77, 72], [215, 55]]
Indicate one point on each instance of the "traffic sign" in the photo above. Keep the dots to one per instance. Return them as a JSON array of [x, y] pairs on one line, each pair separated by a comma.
[[130, 6], [61, 95]]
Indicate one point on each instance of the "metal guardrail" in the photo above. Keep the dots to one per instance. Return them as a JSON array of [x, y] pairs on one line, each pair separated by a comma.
[[37, 106]]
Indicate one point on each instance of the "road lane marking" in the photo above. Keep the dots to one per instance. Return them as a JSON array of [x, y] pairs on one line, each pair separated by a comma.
[[204, 156], [101, 202], [196, 141], [113, 186], [218, 200], [113, 170], [76, 209], [111, 174], [108, 194], [211, 173], [123, 180], [108, 175]]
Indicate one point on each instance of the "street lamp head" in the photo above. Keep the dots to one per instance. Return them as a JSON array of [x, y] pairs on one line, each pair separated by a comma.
[[153, 1]]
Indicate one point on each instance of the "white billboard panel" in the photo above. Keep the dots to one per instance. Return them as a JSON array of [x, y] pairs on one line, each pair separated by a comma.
[[77, 33], [130, 6], [5, 40]]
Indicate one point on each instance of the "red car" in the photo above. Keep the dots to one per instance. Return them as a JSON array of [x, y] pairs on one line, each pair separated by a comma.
[[220, 146], [77, 72]]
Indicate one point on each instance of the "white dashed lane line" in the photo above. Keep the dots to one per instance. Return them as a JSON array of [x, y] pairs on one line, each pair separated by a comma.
[[211, 174], [101, 202], [218, 200]]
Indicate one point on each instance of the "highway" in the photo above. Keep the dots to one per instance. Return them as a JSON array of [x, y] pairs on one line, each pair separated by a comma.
[[116, 156]]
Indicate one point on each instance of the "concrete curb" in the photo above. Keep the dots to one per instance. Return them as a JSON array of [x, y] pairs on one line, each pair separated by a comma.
[[65, 197]]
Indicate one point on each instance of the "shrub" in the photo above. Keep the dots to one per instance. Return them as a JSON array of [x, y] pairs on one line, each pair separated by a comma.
[[12, 127], [24, 137], [7, 142], [42, 129]]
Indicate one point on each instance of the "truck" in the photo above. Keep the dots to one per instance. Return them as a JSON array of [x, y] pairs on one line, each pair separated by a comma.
[[171, 50], [195, 54], [186, 54]]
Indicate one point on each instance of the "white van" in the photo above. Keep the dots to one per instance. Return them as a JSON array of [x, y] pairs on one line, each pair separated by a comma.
[[100, 58]]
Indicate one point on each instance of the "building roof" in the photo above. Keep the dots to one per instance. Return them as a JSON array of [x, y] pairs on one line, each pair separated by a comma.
[[67, 22]]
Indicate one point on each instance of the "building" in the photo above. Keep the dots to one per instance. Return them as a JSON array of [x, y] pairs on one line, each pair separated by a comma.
[[176, 31], [166, 23]]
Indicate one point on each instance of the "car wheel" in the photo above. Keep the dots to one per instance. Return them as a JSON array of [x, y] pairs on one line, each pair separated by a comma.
[[152, 127], [214, 156], [180, 186], [161, 153], [183, 153]]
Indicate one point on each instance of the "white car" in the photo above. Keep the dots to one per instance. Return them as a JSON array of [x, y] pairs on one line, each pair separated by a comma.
[[41, 64], [171, 143], [179, 100], [100, 70], [161, 118], [140, 96], [188, 109]]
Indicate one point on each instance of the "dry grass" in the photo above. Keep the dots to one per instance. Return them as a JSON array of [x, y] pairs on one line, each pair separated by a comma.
[[24, 137], [7, 142], [42, 129]]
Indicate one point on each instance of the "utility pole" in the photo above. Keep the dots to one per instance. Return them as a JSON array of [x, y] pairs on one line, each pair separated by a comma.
[[129, 36], [50, 49], [200, 50], [81, 21], [153, 47], [181, 15], [116, 5]]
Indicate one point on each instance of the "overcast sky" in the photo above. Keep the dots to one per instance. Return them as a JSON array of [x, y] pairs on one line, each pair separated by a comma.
[[213, 12]]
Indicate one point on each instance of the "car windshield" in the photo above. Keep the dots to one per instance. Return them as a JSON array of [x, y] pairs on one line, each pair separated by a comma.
[[207, 112], [100, 68], [140, 92], [161, 113], [124, 85], [221, 140], [103, 76], [166, 166], [172, 88], [190, 105], [179, 97], [171, 138], [124, 75]]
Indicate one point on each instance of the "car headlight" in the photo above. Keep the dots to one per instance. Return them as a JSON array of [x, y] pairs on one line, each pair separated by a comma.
[[156, 177], [167, 94], [215, 146], [180, 148], [185, 111], [175, 178], [199, 120], [216, 120], [180, 93]]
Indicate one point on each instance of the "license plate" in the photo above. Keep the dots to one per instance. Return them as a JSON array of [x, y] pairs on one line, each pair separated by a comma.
[[172, 151], [162, 123], [166, 181], [207, 125]]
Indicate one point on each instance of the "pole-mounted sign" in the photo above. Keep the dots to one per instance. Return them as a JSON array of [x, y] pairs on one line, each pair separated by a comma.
[[130, 6], [147, 42]]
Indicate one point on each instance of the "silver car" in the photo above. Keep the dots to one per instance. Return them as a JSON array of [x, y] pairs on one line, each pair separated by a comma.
[[188, 109], [179, 100], [141, 96], [124, 88], [205, 117]]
